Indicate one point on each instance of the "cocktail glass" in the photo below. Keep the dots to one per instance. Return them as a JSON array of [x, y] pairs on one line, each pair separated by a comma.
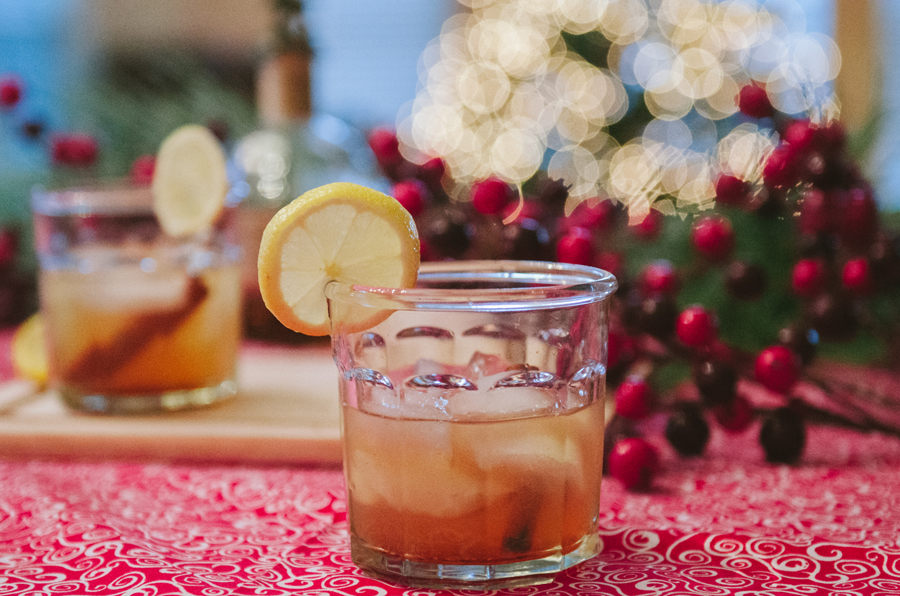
[[472, 421], [136, 321]]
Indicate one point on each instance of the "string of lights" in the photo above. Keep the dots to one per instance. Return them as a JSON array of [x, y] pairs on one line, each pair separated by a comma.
[[503, 94]]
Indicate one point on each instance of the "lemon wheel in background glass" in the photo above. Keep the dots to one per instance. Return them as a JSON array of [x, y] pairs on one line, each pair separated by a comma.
[[190, 181]]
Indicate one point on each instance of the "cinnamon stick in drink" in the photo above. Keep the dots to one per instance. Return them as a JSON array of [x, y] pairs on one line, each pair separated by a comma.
[[103, 360]]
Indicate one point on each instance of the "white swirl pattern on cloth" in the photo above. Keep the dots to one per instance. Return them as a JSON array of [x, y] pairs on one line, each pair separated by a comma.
[[718, 525]]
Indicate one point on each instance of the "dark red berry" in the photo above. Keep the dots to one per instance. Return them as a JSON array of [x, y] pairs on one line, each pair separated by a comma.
[[617, 429], [75, 149], [426, 253], [800, 340], [32, 129], [615, 349], [858, 220], [219, 128], [659, 277], [449, 235], [696, 327], [654, 315], [783, 436], [432, 171], [857, 277], [385, 146], [800, 134], [780, 169], [734, 417], [819, 246], [10, 92], [9, 248], [753, 101], [884, 258], [142, 170], [808, 277], [576, 247], [745, 281], [527, 240], [831, 137], [777, 368], [634, 462], [687, 431], [731, 190], [813, 167], [554, 192], [658, 316], [713, 237], [412, 195], [817, 212], [634, 398], [613, 262], [491, 196], [716, 382], [593, 214], [649, 228], [833, 318], [767, 202]]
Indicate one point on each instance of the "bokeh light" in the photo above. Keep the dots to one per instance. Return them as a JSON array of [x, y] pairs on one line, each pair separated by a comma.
[[503, 94]]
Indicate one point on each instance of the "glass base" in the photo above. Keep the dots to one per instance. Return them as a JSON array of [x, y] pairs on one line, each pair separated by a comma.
[[417, 574], [148, 403]]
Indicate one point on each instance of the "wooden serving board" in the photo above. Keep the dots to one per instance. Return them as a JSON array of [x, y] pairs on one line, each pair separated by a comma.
[[286, 412]]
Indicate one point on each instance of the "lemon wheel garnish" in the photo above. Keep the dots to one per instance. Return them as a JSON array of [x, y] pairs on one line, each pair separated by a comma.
[[29, 357], [342, 232], [190, 180]]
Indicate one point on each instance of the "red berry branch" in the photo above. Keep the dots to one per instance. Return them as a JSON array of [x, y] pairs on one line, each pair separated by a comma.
[[802, 246], [72, 157]]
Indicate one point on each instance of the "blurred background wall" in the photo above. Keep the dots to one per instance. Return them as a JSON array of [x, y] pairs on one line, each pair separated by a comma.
[[128, 71], [92, 64], [366, 52]]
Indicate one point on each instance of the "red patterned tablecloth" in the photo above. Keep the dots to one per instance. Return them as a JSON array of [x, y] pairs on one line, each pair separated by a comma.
[[722, 524]]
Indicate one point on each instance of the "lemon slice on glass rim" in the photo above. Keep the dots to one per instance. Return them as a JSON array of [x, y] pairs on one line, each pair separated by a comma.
[[338, 232], [190, 181]]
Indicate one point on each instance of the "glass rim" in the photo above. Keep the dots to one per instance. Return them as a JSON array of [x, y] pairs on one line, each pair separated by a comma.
[[117, 196], [519, 285]]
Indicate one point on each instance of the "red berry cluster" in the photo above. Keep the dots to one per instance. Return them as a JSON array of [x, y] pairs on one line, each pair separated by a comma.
[[843, 257], [71, 153], [471, 228], [69, 149], [844, 254]]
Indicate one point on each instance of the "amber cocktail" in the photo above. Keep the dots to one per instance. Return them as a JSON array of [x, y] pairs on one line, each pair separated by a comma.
[[137, 321], [473, 422]]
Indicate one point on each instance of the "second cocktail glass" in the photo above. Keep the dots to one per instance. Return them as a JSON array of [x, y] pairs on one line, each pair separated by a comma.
[[137, 321]]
